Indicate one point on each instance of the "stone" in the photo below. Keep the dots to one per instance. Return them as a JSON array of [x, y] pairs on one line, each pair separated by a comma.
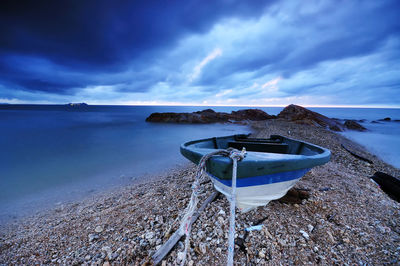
[[180, 256], [98, 229], [108, 251], [149, 235], [221, 212], [310, 228], [203, 248], [382, 229], [330, 236], [159, 219], [88, 257], [305, 234], [200, 234], [143, 242], [113, 256], [261, 253], [93, 237], [267, 233]]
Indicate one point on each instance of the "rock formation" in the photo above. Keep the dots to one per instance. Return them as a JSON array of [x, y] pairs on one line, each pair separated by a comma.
[[302, 115], [291, 112], [353, 125], [209, 116]]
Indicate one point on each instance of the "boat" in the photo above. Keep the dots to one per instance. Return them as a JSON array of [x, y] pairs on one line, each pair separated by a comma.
[[270, 168]]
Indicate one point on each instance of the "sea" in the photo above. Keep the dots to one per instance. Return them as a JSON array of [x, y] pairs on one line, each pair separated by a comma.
[[54, 154]]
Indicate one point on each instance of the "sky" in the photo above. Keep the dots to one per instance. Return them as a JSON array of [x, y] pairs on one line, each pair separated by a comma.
[[198, 52]]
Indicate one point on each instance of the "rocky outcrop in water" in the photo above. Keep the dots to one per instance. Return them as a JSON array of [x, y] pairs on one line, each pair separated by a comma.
[[293, 113], [387, 119], [209, 116], [302, 115], [354, 125]]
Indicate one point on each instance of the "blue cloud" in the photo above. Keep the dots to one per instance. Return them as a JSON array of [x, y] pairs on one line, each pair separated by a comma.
[[225, 52]]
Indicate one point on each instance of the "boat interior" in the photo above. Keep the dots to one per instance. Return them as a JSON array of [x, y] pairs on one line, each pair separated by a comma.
[[275, 144]]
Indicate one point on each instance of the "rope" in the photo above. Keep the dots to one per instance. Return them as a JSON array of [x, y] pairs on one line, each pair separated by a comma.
[[235, 156], [186, 226]]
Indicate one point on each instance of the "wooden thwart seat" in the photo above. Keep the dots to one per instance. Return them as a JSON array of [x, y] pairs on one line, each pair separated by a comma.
[[260, 147]]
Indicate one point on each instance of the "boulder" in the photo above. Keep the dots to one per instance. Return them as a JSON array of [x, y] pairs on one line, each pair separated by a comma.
[[353, 125], [250, 114], [302, 115], [389, 184], [385, 119]]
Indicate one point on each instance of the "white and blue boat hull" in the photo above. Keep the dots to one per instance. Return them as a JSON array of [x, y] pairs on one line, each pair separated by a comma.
[[257, 191]]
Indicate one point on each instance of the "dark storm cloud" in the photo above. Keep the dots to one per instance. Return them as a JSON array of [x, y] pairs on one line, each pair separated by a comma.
[[104, 34], [182, 51], [98, 37]]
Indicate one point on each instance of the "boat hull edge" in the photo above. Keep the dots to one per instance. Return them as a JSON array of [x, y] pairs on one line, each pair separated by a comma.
[[259, 191]]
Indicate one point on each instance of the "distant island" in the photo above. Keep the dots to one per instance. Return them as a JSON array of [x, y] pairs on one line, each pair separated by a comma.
[[77, 104]]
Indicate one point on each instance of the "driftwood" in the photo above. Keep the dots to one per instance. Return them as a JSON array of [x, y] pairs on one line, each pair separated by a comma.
[[357, 156], [389, 184], [166, 248], [295, 195]]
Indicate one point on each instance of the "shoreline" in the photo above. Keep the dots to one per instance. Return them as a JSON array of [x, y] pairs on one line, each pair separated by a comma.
[[32, 205], [348, 219], [377, 140]]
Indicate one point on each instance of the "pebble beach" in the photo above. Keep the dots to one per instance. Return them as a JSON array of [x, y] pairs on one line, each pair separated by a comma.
[[347, 219]]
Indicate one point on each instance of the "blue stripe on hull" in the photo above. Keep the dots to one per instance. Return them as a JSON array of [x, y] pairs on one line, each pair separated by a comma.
[[264, 179]]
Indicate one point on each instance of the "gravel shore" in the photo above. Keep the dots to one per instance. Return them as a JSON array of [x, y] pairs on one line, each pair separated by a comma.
[[346, 220]]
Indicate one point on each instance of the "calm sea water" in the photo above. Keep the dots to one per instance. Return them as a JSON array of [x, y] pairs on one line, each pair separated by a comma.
[[53, 154], [382, 138]]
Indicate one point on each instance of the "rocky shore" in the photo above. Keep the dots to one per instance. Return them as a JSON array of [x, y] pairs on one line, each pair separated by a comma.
[[292, 113], [347, 219]]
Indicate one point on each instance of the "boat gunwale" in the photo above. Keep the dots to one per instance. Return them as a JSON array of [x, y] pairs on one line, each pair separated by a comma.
[[324, 152], [271, 163]]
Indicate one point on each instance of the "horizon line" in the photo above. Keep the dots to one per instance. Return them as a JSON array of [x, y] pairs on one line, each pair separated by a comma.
[[217, 105]]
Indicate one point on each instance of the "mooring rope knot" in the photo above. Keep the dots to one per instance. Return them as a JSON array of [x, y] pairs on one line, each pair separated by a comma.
[[185, 227], [236, 154]]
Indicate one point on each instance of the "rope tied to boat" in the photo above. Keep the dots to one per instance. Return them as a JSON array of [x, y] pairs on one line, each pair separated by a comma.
[[186, 226], [235, 156]]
